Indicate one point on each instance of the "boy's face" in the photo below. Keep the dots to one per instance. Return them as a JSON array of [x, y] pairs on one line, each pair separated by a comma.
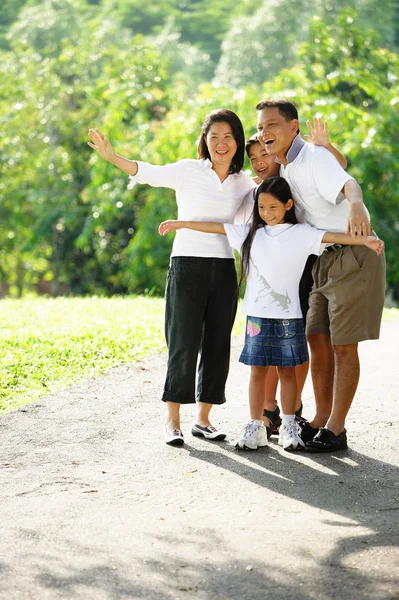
[[275, 132], [262, 163]]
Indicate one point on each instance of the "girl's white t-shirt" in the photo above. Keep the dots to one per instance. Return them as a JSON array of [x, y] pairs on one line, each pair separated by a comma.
[[200, 196], [277, 260]]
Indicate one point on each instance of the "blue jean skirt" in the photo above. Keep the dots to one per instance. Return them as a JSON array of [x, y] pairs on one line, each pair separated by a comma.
[[274, 342]]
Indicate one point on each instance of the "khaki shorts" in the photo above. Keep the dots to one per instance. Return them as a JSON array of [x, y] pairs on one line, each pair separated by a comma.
[[347, 297]]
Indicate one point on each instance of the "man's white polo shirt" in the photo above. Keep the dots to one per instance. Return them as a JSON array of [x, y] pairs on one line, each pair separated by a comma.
[[316, 180]]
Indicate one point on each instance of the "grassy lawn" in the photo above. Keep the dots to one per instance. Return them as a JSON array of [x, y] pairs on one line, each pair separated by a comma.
[[49, 344]]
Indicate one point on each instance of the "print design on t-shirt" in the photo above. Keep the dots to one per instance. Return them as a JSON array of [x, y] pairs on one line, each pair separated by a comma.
[[280, 299]]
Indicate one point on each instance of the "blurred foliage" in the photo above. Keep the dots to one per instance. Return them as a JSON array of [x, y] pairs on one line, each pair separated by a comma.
[[260, 44], [147, 74]]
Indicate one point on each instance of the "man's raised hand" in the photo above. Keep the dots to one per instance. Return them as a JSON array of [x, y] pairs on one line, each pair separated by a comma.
[[318, 132]]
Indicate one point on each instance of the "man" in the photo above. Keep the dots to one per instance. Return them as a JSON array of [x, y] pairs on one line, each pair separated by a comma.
[[349, 282]]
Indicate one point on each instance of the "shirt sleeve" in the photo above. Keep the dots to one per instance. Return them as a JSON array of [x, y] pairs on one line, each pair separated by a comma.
[[236, 234], [167, 176], [314, 236], [329, 176], [244, 212]]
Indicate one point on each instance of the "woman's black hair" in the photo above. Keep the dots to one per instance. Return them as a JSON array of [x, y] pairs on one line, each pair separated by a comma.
[[223, 115], [278, 187]]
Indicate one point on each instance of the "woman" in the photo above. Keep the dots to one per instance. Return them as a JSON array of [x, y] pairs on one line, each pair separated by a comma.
[[201, 289]]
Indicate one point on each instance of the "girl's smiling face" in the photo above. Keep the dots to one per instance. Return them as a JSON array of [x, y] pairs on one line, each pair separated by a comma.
[[272, 210]]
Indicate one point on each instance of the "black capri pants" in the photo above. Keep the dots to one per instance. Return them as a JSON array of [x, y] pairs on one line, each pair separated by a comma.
[[201, 303]]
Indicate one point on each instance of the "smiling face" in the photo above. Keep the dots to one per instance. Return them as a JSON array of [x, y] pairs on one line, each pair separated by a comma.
[[272, 210], [263, 164], [276, 132], [221, 144]]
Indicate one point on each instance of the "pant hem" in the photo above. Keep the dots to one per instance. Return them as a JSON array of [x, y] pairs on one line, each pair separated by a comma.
[[211, 400], [166, 397]]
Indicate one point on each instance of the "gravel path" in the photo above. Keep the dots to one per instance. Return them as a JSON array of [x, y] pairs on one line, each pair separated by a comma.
[[95, 506]]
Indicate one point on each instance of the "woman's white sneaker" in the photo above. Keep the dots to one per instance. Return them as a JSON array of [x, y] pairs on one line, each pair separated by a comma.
[[253, 436], [173, 437], [288, 436], [209, 433]]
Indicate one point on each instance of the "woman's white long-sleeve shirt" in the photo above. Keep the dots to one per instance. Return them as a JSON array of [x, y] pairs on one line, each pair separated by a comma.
[[200, 196]]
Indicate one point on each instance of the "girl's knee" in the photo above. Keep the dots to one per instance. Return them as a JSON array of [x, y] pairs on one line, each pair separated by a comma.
[[286, 372], [259, 372]]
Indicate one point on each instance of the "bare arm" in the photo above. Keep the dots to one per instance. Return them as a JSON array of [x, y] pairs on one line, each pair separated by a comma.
[[358, 224], [319, 137], [104, 148], [204, 226], [348, 240]]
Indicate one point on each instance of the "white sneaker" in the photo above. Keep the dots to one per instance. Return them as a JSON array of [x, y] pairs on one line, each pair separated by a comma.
[[288, 436], [253, 436], [173, 437]]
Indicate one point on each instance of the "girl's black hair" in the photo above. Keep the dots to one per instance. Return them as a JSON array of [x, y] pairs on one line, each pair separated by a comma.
[[278, 187], [223, 115]]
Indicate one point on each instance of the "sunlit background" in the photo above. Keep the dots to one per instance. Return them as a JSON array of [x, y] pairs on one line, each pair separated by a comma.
[[146, 73]]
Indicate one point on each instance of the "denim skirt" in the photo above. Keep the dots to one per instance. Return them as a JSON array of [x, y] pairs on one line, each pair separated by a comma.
[[274, 342]]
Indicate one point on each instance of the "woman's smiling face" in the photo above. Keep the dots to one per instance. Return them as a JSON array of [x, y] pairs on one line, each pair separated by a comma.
[[221, 143]]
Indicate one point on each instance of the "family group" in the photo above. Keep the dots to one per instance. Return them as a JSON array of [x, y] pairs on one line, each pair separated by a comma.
[[313, 268]]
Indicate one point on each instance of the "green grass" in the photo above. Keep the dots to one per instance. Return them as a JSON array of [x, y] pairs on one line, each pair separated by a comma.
[[47, 344]]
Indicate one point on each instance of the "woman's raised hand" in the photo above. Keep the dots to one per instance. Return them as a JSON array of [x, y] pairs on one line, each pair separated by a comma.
[[100, 143]]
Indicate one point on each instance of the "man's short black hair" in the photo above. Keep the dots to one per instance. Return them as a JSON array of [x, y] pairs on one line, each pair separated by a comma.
[[287, 109]]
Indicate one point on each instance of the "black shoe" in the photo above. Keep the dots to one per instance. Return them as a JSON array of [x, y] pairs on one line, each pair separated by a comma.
[[210, 433], [327, 441], [298, 413], [306, 431], [275, 421]]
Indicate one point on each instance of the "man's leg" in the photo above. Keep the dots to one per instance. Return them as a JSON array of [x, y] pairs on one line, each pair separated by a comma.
[[322, 370], [346, 379], [301, 373]]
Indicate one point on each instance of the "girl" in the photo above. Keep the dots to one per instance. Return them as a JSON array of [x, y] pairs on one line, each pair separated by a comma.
[[265, 166], [201, 289], [274, 250]]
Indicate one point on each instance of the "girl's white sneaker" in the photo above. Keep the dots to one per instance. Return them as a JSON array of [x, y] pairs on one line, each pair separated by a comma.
[[253, 436], [288, 436]]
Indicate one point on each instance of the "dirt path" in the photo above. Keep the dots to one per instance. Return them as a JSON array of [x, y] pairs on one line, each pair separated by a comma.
[[95, 506]]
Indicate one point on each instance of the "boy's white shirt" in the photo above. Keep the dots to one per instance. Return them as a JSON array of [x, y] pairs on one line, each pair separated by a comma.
[[277, 260]]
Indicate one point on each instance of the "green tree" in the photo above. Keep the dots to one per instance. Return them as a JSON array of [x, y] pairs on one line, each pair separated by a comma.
[[54, 205], [258, 46]]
